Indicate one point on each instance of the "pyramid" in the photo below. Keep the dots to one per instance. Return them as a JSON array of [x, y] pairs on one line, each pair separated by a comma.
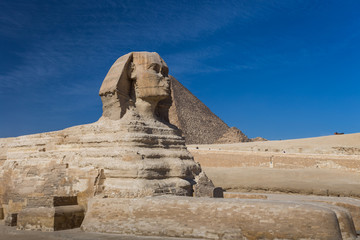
[[233, 135], [198, 123]]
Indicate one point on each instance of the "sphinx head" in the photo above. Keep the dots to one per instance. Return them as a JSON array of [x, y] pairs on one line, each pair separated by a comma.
[[150, 76], [138, 79]]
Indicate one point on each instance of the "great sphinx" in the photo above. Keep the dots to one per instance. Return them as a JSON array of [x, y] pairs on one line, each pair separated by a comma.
[[131, 151], [154, 160], [130, 173]]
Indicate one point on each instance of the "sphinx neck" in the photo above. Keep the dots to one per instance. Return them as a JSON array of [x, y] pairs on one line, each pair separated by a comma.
[[146, 109]]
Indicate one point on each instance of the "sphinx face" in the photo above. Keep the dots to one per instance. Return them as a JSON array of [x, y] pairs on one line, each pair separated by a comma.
[[151, 73]]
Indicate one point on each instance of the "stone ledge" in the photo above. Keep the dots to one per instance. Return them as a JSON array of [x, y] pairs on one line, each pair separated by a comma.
[[214, 218], [49, 219], [352, 205]]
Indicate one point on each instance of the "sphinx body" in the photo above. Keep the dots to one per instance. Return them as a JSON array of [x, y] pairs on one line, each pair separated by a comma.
[[154, 159], [131, 151]]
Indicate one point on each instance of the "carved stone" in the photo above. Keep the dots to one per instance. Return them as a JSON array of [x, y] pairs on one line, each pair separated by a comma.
[[131, 151]]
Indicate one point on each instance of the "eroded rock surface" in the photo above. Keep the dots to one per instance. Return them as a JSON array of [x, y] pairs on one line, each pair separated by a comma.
[[209, 218], [131, 151]]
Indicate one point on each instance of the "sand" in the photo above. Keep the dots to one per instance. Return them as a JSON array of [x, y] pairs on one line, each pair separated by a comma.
[[326, 182], [347, 144]]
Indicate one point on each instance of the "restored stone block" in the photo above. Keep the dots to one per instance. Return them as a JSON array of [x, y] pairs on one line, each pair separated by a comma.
[[50, 218], [51, 201], [213, 218], [11, 219]]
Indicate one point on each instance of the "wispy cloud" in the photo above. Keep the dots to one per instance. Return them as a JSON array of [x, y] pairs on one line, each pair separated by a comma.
[[70, 37], [44, 65], [64, 37]]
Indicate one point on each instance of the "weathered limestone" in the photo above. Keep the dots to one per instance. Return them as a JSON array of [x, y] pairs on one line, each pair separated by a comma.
[[352, 205], [346, 209], [50, 219], [205, 187], [157, 161], [130, 152], [50, 214], [216, 218]]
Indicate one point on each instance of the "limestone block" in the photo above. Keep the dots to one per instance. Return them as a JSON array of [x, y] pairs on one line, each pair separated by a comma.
[[353, 208], [51, 201], [11, 219], [50, 218], [243, 195], [346, 209], [11, 210], [205, 188], [211, 218], [352, 205], [345, 220]]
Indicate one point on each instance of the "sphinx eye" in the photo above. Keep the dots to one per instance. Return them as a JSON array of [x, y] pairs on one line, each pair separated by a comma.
[[155, 67]]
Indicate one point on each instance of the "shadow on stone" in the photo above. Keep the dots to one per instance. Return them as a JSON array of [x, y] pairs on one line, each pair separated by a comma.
[[1, 213], [57, 213], [11, 220], [67, 217], [218, 192]]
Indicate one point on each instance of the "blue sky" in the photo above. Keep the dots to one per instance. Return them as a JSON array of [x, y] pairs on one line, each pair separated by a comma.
[[276, 69]]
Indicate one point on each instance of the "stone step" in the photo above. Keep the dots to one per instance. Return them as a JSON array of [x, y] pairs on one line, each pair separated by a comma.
[[50, 218], [350, 204]]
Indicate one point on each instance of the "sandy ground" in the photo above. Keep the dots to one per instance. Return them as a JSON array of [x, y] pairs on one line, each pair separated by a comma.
[[303, 181], [348, 144], [326, 165], [10, 233]]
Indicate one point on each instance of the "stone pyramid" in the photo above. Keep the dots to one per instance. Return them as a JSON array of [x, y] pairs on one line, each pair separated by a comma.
[[233, 135], [198, 123]]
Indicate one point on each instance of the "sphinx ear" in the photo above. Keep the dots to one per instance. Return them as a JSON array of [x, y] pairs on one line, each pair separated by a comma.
[[116, 88], [118, 76]]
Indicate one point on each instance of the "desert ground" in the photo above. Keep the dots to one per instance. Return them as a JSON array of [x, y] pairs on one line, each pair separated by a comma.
[[328, 165], [346, 144]]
